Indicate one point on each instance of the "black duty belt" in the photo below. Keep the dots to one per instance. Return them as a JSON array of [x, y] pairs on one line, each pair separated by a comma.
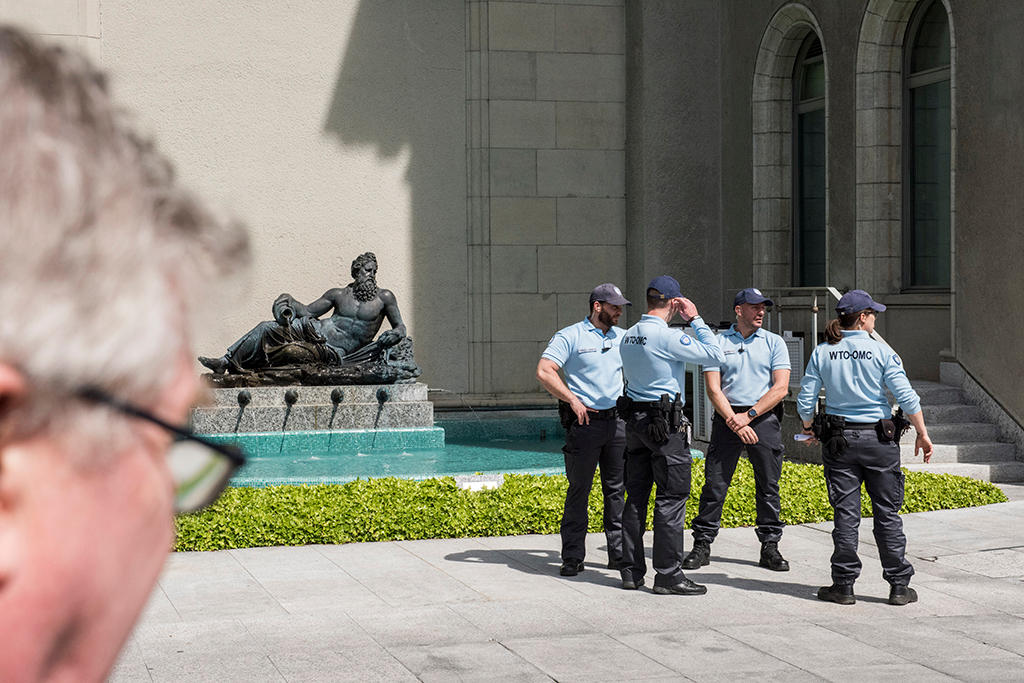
[[860, 425], [647, 405], [606, 414], [740, 409]]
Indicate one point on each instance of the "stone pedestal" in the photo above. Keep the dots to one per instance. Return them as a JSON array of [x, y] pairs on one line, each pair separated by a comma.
[[368, 406]]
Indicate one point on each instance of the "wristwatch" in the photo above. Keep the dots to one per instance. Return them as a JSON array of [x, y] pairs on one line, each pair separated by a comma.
[[752, 413]]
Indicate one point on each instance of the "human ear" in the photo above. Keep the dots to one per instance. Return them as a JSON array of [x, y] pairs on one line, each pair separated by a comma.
[[12, 385]]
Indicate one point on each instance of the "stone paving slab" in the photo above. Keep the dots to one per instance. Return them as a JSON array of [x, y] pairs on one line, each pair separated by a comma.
[[496, 609]]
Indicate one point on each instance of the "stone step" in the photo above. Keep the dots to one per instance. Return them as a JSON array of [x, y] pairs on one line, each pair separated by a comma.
[[963, 453], [956, 433], [312, 395], [933, 393], [1007, 471], [226, 419], [952, 413]]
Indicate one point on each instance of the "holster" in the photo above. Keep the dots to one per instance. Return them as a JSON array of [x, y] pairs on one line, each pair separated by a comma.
[[901, 422], [624, 407], [565, 415], [834, 442], [665, 419], [886, 430]]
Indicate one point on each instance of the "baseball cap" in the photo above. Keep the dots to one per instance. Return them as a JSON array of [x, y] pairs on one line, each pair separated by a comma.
[[857, 300], [609, 294], [666, 285], [751, 295]]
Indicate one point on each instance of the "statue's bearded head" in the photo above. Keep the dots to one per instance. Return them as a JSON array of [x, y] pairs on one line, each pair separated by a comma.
[[364, 273]]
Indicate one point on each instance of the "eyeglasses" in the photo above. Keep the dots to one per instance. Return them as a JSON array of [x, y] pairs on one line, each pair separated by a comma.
[[199, 467]]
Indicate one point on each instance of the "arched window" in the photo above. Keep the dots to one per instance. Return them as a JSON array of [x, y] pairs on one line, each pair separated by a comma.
[[809, 166], [926, 187]]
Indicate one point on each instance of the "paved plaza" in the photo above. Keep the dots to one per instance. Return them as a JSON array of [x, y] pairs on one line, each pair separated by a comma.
[[496, 609]]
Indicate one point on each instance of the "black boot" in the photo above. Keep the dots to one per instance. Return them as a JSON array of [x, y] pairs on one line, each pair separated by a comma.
[[901, 595], [841, 594], [699, 557], [684, 587], [771, 558], [571, 567], [630, 582]]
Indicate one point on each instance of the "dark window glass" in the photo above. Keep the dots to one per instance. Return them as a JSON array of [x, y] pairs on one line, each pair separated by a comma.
[[927, 186], [809, 167], [931, 47]]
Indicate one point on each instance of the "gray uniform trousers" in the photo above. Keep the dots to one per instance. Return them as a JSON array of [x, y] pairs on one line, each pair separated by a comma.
[[720, 464], [666, 464], [586, 446], [877, 465]]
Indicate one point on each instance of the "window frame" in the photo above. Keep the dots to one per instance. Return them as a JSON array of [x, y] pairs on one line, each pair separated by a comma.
[[910, 82], [804, 107]]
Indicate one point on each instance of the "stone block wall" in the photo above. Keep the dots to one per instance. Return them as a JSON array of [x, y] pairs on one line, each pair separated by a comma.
[[546, 139]]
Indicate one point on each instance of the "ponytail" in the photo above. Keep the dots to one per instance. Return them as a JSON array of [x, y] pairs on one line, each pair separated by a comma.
[[846, 321]]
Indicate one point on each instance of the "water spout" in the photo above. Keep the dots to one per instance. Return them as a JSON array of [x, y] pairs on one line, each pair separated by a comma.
[[244, 399], [290, 397], [382, 397], [336, 397]]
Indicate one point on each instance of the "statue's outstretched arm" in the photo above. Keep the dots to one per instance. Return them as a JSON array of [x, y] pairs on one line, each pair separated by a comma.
[[286, 307]]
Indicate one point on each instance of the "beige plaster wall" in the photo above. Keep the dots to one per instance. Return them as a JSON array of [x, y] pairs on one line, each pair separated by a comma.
[[72, 23], [331, 128]]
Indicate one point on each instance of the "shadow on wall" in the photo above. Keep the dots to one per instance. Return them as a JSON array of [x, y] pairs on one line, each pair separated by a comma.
[[401, 85]]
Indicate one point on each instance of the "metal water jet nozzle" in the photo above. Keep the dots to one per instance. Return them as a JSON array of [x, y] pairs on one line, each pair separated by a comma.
[[291, 396], [336, 396], [244, 398], [382, 396]]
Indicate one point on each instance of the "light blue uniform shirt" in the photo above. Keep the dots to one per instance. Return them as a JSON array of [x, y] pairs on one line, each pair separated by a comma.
[[654, 356], [748, 366], [590, 361], [855, 373]]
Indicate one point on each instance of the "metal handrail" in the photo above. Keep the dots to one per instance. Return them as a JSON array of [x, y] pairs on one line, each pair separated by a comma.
[[814, 293]]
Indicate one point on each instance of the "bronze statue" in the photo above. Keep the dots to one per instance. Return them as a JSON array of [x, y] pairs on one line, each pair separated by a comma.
[[300, 347]]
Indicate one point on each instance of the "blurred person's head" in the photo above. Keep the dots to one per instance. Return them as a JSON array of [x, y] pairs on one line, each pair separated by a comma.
[[104, 259]]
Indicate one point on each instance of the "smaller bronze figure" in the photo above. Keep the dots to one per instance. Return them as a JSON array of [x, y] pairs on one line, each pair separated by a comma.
[[299, 347]]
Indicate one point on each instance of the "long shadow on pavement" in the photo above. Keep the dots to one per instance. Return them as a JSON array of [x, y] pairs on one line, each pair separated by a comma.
[[542, 562], [797, 590]]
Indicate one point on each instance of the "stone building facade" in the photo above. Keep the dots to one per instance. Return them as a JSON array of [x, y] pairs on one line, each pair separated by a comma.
[[502, 157]]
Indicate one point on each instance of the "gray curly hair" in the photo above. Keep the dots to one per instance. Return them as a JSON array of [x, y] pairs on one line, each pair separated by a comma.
[[105, 256]]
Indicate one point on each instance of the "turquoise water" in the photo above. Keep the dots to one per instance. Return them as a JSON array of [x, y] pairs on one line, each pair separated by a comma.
[[479, 444], [464, 447]]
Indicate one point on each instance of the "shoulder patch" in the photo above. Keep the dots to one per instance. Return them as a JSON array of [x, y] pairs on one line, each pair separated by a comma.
[[896, 359], [685, 340]]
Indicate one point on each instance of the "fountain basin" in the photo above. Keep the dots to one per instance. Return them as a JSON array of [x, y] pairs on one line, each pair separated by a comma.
[[459, 446]]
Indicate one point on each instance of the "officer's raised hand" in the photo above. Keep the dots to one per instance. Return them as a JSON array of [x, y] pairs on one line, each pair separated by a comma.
[[685, 308]]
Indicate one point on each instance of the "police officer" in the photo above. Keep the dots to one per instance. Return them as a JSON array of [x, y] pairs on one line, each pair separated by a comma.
[[860, 442], [654, 358], [588, 355], [746, 390]]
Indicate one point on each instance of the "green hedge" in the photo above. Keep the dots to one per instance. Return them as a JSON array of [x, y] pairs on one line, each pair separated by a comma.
[[400, 509]]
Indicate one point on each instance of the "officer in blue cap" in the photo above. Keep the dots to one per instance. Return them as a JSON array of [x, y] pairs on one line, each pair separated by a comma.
[[747, 392], [860, 442], [654, 358], [588, 355]]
